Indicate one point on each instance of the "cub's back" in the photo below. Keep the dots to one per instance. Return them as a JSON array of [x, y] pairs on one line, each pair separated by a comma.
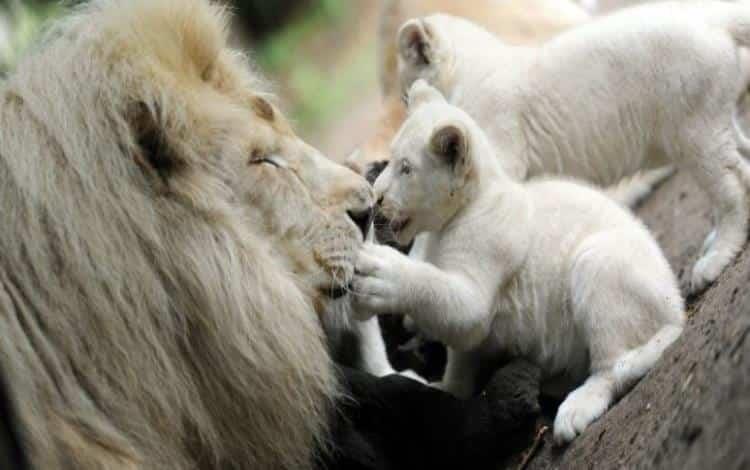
[[567, 206], [566, 215], [630, 40]]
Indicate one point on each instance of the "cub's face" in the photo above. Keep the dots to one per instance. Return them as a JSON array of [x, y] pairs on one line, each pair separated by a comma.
[[424, 182]]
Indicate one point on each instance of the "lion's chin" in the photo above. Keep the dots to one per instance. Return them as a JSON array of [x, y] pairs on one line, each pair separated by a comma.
[[337, 293]]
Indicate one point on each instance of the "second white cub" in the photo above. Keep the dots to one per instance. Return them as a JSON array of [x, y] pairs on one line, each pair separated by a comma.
[[550, 270], [634, 90]]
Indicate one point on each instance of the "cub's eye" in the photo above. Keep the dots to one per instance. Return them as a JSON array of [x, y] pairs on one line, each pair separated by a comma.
[[405, 168], [405, 98]]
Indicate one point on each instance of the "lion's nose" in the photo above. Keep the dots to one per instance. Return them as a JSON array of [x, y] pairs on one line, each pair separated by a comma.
[[362, 219]]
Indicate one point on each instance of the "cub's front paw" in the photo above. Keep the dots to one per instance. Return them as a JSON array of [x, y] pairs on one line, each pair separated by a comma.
[[378, 280]]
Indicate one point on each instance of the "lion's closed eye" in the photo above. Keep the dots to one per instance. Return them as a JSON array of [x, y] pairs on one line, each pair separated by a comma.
[[259, 158], [269, 161]]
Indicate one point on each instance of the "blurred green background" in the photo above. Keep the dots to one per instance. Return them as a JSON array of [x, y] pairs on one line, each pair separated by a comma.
[[319, 53]]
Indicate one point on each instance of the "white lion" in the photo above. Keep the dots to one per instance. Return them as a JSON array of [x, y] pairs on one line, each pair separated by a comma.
[[549, 270], [516, 21], [167, 245], [520, 22], [605, 6], [643, 87]]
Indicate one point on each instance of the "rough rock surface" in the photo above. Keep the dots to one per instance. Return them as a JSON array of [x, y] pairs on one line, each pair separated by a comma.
[[692, 411]]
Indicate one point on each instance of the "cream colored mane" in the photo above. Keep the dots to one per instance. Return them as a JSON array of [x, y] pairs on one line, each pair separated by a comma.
[[149, 312]]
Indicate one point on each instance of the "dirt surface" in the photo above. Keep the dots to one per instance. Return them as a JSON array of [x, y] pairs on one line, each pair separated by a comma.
[[693, 410]]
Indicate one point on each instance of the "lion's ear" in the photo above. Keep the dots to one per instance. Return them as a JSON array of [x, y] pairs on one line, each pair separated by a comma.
[[415, 43], [154, 154], [263, 108], [450, 144]]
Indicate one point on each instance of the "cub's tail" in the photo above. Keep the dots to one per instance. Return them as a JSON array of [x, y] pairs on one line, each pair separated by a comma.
[[637, 362], [631, 191]]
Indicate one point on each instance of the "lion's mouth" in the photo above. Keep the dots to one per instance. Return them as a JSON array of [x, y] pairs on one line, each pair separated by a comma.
[[337, 292]]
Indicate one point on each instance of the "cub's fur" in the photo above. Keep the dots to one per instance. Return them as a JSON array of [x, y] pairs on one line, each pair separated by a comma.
[[549, 270], [516, 21], [637, 89], [605, 6], [165, 240]]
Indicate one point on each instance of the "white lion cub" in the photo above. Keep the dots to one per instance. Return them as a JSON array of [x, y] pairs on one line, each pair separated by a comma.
[[550, 270], [630, 91]]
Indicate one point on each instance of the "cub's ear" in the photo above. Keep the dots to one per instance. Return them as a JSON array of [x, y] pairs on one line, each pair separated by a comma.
[[421, 92], [450, 143], [415, 43], [153, 154]]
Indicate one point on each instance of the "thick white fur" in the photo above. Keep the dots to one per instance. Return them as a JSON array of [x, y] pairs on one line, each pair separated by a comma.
[[545, 270], [634, 90], [604, 6], [633, 190], [518, 22]]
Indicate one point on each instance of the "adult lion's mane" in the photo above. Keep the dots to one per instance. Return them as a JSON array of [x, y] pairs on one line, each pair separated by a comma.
[[146, 323]]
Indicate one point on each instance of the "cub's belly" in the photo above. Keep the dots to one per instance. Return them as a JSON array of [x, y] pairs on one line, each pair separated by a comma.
[[541, 329]]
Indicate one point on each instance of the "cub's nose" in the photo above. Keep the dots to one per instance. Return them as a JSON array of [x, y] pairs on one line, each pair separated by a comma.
[[362, 219]]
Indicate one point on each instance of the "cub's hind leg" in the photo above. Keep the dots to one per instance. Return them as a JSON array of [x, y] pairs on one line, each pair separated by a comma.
[[627, 308], [587, 403], [720, 170]]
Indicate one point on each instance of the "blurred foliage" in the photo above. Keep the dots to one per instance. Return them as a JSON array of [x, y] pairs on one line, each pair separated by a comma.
[[299, 43], [276, 50], [20, 24], [319, 97], [260, 17], [302, 53]]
